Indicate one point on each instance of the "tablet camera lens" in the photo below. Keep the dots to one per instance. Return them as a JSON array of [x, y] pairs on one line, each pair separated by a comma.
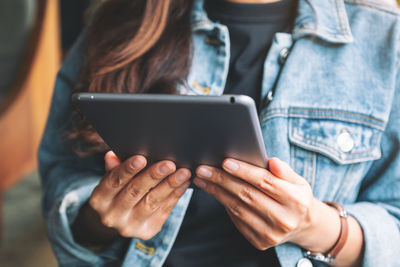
[[232, 100]]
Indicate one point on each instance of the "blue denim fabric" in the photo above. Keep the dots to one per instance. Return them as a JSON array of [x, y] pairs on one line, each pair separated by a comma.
[[341, 79]]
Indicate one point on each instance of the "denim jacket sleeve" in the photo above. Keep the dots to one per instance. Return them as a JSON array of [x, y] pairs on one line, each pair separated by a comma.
[[378, 205], [68, 180]]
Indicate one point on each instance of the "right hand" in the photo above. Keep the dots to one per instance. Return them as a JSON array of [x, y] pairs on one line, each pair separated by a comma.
[[137, 203]]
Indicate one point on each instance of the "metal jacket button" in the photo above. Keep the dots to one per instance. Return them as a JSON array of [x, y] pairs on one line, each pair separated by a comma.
[[304, 262], [345, 141]]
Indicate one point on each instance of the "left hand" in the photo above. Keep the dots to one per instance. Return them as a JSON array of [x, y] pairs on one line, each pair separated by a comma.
[[268, 207]]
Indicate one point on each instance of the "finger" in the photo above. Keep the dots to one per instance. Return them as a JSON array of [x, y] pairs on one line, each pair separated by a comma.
[[111, 160], [248, 233], [233, 205], [158, 195], [282, 170], [162, 214], [145, 226], [114, 180], [247, 193], [134, 191], [257, 177]]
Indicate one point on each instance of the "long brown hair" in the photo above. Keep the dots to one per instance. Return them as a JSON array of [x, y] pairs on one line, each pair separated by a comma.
[[134, 46]]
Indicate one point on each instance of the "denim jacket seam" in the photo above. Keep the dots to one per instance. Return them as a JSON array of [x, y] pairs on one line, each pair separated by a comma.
[[314, 168], [330, 110], [375, 6], [320, 110], [354, 117], [295, 136], [341, 118], [328, 152], [341, 18]]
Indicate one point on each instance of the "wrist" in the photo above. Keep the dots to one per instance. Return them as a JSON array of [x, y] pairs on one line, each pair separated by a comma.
[[322, 231]]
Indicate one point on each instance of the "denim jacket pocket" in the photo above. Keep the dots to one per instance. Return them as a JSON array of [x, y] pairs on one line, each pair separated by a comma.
[[342, 136]]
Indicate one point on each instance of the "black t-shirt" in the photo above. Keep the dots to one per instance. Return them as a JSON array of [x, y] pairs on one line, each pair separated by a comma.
[[208, 237]]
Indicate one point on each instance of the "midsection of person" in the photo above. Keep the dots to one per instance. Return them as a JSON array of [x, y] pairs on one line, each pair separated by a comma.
[[315, 115], [207, 228]]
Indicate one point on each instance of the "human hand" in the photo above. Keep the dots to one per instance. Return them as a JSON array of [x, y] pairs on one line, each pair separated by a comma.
[[267, 207], [134, 202]]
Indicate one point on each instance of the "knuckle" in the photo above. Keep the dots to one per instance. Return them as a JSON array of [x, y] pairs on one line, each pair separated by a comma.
[[147, 233], [114, 179], [107, 220], [271, 239], [260, 246], [218, 177], [267, 180], [155, 174], [171, 181], [133, 191], [288, 225], [246, 194], [151, 202], [130, 168], [125, 232], [145, 236], [236, 210], [94, 204], [302, 207], [94, 201]]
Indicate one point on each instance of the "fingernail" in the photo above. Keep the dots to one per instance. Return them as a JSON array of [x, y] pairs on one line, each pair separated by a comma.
[[199, 182], [204, 172], [115, 157], [137, 162], [165, 168], [231, 165], [182, 177]]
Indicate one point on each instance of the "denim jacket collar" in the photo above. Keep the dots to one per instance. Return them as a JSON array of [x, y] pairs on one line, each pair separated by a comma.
[[326, 20]]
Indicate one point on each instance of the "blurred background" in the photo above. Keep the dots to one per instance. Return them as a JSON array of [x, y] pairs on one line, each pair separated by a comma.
[[34, 37]]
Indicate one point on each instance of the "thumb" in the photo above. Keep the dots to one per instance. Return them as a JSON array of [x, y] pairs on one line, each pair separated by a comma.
[[282, 170], [111, 160]]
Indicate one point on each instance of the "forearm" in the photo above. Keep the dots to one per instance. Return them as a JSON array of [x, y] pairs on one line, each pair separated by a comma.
[[88, 230], [326, 224]]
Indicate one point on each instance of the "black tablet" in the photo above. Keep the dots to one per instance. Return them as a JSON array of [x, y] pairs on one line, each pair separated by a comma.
[[189, 130]]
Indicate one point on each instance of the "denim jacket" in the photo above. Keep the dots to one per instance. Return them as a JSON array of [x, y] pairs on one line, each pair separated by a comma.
[[334, 117]]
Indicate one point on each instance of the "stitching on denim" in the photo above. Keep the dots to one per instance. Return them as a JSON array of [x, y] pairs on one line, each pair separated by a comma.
[[264, 119], [337, 111], [203, 89], [374, 5], [144, 248], [346, 119], [374, 141], [330, 155], [314, 169], [279, 112], [329, 150], [292, 156], [339, 18], [398, 58], [333, 149], [340, 191], [306, 167]]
